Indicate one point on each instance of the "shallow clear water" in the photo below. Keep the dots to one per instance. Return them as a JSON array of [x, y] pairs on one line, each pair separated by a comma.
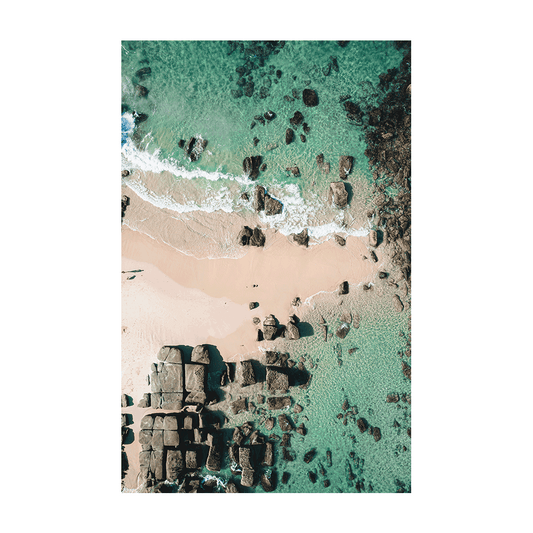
[[190, 94]]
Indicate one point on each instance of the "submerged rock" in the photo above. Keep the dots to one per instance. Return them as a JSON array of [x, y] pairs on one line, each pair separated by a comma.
[[278, 402], [310, 98], [289, 136]]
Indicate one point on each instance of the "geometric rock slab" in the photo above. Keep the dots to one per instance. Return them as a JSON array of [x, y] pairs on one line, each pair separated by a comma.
[[200, 354], [156, 464], [171, 438], [277, 379], [170, 355], [246, 373], [155, 400], [238, 405], [171, 378], [195, 377], [157, 440], [174, 465], [145, 439], [214, 458], [247, 477], [196, 397], [279, 402], [172, 400], [170, 423], [147, 422], [192, 460]]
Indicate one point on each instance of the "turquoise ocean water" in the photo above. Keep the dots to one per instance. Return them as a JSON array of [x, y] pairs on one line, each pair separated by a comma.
[[190, 93]]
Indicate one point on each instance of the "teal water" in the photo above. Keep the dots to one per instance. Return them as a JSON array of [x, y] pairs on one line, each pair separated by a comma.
[[190, 94]]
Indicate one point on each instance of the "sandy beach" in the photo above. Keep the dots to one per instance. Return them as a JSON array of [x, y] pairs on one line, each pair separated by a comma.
[[178, 299]]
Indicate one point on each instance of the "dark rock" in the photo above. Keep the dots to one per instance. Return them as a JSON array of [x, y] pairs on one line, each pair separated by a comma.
[[298, 408], [251, 166], [310, 455], [334, 64], [287, 456], [249, 89], [409, 432], [231, 488], [393, 398], [345, 166], [301, 238], [377, 434], [252, 125], [140, 117], [367, 287], [373, 238], [406, 369], [288, 98], [297, 119], [337, 191], [268, 458], [320, 160], [270, 115], [326, 483], [269, 423], [312, 476], [341, 241], [236, 93], [244, 236], [272, 206], [238, 405], [285, 477], [278, 402], [373, 256], [352, 350], [362, 424], [125, 174], [246, 373], [302, 138], [326, 70], [289, 136], [256, 141], [258, 237], [277, 379], [286, 439], [345, 405], [307, 129], [145, 401], [284, 423], [342, 331], [310, 98], [382, 275], [278, 74], [296, 94], [260, 119], [237, 436], [302, 430], [344, 288], [328, 458]]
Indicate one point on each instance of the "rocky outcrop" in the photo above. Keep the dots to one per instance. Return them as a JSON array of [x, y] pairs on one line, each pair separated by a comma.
[[345, 166], [310, 97], [272, 206], [292, 331], [277, 379], [238, 406], [270, 115], [247, 477], [301, 429], [344, 288], [268, 482], [376, 433], [145, 401], [143, 73], [393, 398], [341, 241], [284, 423], [257, 238], [301, 238], [231, 488], [246, 373], [297, 119], [244, 236], [269, 423], [141, 91], [214, 458], [362, 424], [342, 331], [170, 354], [337, 191], [278, 402], [251, 166], [200, 354], [310, 455], [269, 328]]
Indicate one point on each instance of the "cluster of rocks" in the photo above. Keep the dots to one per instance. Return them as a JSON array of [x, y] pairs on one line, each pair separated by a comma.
[[251, 166], [264, 202], [248, 459], [193, 148], [272, 331], [251, 237], [297, 120], [254, 56], [363, 426], [269, 116], [175, 383], [173, 445]]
